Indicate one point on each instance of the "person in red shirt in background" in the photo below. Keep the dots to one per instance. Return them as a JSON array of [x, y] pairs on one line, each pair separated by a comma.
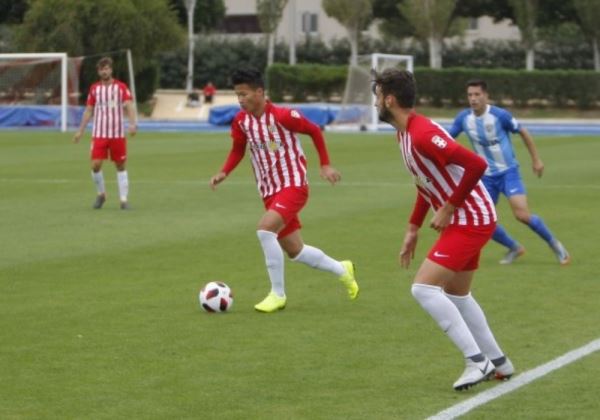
[[279, 164], [209, 91], [106, 100], [448, 180]]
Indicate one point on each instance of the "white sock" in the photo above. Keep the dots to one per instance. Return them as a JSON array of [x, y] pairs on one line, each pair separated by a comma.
[[98, 179], [273, 259], [477, 323], [315, 258], [443, 311], [123, 185]]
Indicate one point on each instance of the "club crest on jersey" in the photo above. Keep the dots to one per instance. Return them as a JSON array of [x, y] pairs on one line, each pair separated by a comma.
[[295, 113], [439, 142], [274, 145]]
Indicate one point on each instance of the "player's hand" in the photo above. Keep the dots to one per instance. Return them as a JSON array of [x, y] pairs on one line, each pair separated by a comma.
[[77, 136], [538, 167], [442, 217], [132, 129], [407, 252], [217, 179], [330, 174]]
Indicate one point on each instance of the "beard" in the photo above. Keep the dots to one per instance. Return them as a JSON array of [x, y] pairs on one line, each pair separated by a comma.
[[384, 115]]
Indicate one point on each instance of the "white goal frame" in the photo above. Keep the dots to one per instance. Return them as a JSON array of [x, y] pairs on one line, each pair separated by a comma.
[[359, 99], [374, 125], [63, 78]]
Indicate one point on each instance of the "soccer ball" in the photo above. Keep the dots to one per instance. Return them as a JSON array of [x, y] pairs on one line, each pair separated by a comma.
[[215, 296]]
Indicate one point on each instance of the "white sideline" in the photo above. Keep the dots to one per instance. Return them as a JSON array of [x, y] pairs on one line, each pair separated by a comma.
[[516, 382]]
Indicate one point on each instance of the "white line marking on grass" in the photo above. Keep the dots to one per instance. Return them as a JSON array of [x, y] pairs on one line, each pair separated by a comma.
[[372, 184], [516, 382]]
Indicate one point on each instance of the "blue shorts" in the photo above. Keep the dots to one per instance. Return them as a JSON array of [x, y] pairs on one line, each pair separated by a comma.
[[508, 183]]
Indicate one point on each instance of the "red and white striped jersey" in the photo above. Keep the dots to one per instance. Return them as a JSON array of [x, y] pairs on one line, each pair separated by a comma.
[[426, 149], [108, 101], [276, 153]]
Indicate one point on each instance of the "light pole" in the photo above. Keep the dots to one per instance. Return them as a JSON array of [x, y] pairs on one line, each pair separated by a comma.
[[190, 6], [293, 32]]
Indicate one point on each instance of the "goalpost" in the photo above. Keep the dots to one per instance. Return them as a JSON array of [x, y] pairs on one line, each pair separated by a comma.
[[30, 77], [358, 103], [49, 89]]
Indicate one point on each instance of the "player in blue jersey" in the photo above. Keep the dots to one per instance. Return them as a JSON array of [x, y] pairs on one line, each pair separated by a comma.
[[488, 128]]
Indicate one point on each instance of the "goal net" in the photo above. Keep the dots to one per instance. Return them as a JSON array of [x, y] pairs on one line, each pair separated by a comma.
[[49, 89], [357, 110]]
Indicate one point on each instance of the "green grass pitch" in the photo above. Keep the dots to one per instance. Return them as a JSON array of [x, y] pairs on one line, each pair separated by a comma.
[[99, 317]]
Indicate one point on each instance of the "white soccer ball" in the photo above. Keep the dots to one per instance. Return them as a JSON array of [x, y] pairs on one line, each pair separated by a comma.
[[216, 296]]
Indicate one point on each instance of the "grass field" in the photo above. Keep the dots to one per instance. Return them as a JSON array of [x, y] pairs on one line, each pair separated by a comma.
[[99, 315]]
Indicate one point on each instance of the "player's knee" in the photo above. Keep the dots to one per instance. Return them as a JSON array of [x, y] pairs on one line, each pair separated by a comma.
[[523, 216], [420, 291]]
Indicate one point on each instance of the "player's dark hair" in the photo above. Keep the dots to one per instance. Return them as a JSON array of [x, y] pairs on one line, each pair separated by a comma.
[[399, 83], [249, 76], [104, 61], [478, 82]]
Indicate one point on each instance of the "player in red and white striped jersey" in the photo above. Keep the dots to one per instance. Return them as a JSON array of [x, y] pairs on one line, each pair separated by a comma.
[[270, 135], [106, 100], [447, 176]]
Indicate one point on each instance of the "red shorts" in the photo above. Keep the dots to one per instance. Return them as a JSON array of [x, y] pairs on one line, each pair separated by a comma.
[[288, 202], [458, 247], [116, 147]]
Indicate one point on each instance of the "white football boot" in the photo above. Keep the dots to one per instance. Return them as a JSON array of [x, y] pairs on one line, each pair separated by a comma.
[[474, 373], [505, 370]]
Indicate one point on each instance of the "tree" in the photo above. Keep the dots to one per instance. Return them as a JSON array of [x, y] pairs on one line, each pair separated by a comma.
[[354, 15], [269, 14], [526, 14], [393, 24], [89, 27], [589, 16], [431, 20], [208, 14], [12, 11]]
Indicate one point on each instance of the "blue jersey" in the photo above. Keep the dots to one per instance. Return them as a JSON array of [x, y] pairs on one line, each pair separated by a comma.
[[489, 134]]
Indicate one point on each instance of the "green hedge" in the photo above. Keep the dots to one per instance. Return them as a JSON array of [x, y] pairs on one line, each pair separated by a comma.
[[305, 80], [557, 88]]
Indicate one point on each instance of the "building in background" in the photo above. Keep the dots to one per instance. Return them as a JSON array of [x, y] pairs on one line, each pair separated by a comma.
[[312, 21]]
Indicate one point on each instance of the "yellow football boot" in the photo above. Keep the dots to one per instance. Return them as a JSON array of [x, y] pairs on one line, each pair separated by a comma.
[[349, 280], [271, 303]]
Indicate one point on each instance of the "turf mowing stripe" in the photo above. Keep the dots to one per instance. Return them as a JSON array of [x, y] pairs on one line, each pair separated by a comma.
[[516, 382], [244, 183]]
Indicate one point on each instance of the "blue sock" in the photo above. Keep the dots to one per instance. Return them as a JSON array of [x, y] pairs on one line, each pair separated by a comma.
[[538, 226], [502, 237]]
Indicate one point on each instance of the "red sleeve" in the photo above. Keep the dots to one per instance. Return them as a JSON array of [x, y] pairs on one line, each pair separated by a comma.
[[238, 148], [436, 145], [419, 211], [91, 99], [126, 93], [296, 122], [474, 167]]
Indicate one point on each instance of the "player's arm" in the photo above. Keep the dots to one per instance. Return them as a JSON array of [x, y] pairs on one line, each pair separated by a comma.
[[294, 121], [474, 167], [85, 119], [445, 151], [407, 252], [132, 126], [536, 163], [236, 154], [456, 127]]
